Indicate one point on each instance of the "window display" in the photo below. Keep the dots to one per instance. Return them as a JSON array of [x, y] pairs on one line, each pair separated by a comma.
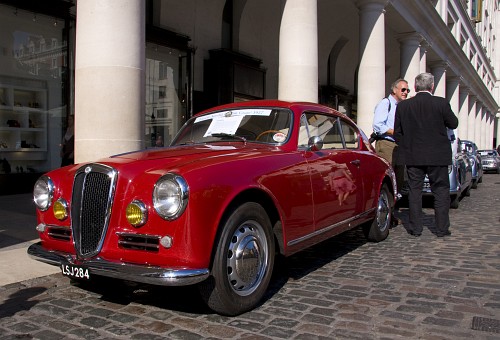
[[33, 99]]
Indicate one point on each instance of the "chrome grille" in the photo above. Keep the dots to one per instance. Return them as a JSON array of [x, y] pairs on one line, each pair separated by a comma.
[[93, 192]]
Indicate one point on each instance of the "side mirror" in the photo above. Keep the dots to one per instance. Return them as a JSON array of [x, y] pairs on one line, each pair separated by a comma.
[[315, 143]]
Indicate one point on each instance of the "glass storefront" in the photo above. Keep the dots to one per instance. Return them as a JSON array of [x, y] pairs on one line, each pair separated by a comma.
[[37, 89], [34, 92]]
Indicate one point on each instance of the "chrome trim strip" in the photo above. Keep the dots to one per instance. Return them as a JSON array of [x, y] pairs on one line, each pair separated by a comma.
[[121, 270], [327, 229]]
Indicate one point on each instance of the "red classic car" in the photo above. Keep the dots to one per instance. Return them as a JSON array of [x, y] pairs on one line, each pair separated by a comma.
[[239, 184]]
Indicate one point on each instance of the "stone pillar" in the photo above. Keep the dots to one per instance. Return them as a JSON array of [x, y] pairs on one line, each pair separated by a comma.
[[471, 118], [485, 128], [452, 94], [439, 71], [371, 75], [109, 78], [497, 119], [442, 9], [410, 57], [298, 51], [463, 113], [489, 130], [479, 123], [423, 56]]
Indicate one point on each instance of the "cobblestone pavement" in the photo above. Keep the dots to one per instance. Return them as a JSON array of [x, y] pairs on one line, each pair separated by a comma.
[[344, 288]]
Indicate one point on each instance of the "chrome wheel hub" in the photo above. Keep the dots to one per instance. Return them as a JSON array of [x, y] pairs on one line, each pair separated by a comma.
[[383, 212], [247, 258]]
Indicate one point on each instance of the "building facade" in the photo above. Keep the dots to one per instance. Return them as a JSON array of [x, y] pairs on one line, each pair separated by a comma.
[[132, 71]]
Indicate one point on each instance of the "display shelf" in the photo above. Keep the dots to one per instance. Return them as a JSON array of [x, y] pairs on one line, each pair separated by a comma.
[[23, 120]]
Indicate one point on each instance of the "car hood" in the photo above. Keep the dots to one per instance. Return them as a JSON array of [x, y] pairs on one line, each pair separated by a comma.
[[194, 155]]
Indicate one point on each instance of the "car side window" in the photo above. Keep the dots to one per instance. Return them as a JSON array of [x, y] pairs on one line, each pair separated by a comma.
[[324, 126], [351, 136]]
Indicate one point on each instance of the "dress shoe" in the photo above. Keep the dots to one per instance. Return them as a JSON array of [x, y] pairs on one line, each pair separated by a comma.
[[413, 233], [443, 234]]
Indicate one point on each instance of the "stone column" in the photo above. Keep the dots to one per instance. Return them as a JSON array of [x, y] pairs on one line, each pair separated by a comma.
[[452, 94], [438, 69], [478, 125], [442, 9], [497, 119], [371, 75], [471, 118], [484, 128], [463, 113], [298, 51], [410, 57], [109, 78], [423, 56], [489, 125]]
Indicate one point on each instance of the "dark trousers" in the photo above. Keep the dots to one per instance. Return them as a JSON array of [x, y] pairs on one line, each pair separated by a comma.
[[440, 187]]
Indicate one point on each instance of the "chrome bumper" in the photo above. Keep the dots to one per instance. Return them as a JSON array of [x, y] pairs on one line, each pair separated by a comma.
[[120, 270]]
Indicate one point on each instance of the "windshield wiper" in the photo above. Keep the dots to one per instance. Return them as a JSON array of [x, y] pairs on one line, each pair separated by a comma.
[[227, 135]]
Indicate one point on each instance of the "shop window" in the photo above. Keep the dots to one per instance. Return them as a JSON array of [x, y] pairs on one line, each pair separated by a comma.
[[33, 95]]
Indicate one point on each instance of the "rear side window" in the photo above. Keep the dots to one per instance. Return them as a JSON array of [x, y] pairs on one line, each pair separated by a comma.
[[334, 131]]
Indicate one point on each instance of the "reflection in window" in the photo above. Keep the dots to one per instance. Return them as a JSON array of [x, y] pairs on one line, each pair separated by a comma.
[[350, 135], [166, 93], [318, 125], [334, 132]]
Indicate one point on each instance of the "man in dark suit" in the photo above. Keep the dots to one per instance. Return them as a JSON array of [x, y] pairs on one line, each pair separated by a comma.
[[420, 131]]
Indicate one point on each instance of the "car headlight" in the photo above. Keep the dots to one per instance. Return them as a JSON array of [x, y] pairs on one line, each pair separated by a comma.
[[43, 192], [170, 196]]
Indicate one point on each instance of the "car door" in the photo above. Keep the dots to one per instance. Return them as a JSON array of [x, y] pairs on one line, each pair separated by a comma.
[[335, 177]]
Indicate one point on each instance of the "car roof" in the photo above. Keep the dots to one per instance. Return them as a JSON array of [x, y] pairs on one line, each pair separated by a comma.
[[274, 103]]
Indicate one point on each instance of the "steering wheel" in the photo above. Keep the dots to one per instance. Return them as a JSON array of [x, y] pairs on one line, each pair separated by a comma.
[[265, 133]]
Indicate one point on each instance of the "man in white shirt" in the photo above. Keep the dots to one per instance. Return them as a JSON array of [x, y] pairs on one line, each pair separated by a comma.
[[383, 121]]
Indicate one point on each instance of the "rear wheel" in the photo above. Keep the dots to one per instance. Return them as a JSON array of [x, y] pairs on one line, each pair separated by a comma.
[[378, 230], [243, 262]]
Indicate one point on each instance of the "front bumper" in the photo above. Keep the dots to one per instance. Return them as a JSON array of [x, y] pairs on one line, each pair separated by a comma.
[[125, 271]]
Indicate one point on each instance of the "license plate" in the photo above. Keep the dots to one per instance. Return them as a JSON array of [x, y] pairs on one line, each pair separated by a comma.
[[75, 272]]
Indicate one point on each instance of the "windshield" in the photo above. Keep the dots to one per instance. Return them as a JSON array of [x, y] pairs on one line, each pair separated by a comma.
[[263, 125]]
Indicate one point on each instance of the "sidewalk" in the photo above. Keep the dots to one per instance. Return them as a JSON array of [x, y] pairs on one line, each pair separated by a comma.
[[17, 233]]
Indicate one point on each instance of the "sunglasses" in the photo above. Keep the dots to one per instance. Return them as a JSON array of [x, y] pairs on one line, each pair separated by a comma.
[[405, 90]]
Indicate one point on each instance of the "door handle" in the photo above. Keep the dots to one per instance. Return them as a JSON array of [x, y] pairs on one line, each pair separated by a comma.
[[356, 162]]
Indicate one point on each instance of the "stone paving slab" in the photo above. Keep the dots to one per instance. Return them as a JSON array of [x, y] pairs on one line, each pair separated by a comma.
[[344, 288]]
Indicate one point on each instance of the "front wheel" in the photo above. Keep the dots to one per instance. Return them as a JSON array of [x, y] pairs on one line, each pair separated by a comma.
[[243, 262], [378, 230]]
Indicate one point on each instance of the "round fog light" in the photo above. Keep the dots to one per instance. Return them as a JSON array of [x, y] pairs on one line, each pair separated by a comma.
[[166, 242], [136, 213], [60, 209]]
